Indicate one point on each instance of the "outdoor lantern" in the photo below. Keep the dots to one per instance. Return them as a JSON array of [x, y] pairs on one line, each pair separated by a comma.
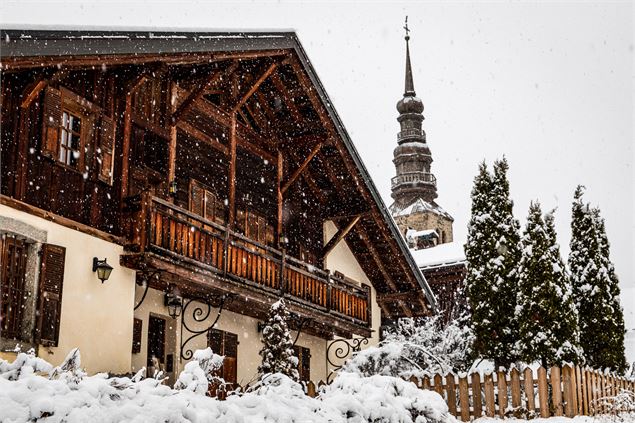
[[174, 304], [172, 188], [102, 268]]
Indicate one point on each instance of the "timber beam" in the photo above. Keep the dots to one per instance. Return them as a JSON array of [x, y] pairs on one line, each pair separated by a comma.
[[271, 69], [340, 235], [316, 149]]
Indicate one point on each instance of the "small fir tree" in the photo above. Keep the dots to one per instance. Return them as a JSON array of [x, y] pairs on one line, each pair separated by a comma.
[[595, 288], [277, 351], [546, 313]]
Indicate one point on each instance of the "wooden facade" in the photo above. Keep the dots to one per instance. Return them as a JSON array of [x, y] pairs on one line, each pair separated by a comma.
[[214, 158]]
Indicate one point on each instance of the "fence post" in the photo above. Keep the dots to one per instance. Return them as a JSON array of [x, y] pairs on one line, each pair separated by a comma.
[[476, 395], [556, 390], [579, 387], [310, 389], [543, 392], [438, 385], [528, 381], [490, 401], [502, 392], [464, 397], [451, 390], [568, 391], [515, 382]]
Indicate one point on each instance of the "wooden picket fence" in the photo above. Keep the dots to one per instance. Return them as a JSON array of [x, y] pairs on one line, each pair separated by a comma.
[[567, 391]]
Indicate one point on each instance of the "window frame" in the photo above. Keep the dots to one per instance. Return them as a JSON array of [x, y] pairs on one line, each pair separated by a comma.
[[77, 106]]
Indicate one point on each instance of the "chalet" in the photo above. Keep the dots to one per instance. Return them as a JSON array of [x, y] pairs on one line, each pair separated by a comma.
[[160, 190]]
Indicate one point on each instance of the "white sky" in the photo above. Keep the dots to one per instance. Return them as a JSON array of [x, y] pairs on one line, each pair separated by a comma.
[[549, 85]]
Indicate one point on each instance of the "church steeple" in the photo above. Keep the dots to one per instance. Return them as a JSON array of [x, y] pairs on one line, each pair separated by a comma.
[[412, 157]]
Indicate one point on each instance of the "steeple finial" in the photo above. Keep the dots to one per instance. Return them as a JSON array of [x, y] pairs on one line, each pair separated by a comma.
[[410, 86]]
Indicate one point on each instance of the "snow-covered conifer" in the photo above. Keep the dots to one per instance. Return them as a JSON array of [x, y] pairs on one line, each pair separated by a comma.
[[277, 351], [492, 254], [546, 313], [596, 289]]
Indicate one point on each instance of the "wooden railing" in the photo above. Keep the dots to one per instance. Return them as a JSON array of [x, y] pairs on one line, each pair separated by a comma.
[[166, 229]]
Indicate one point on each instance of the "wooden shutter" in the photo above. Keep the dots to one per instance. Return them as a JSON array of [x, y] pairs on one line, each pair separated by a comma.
[[210, 204], [215, 341], [107, 148], [50, 294], [230, 351], [52, 122], [196, 199], [305, 364], [137, 330]]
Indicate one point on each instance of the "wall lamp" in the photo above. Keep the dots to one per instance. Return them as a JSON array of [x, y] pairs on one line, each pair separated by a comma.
[[174, 303], [102, 268]]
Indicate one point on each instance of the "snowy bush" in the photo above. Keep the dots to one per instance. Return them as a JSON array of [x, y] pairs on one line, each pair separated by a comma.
[[415, 347], [200, 372], [32, 390]]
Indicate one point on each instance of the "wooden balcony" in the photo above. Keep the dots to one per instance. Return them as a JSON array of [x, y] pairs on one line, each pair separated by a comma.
[[165, 230]]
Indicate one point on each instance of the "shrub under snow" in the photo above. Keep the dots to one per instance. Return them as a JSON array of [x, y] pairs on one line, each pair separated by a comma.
[[32, 390]]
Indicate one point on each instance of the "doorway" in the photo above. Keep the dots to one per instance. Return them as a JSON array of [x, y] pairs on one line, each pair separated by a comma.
[[156, 345]]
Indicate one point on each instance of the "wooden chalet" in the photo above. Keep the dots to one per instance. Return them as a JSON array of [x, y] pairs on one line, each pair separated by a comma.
[[214, 163]]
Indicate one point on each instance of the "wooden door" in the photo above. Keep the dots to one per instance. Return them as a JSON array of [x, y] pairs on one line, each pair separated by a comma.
[[156, 342]]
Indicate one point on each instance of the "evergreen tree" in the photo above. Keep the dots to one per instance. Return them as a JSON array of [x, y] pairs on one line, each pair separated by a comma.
[[277, 351], [595, 288], [478, 248], [546, 313]]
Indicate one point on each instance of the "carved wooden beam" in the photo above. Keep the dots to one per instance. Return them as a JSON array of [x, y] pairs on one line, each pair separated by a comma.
[[32, 92], [290, 102], [195, 94], [256, 85], [339, 236], [316, 149]]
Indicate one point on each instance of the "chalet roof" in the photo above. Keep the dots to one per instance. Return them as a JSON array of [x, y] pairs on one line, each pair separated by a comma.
[[17, 45]]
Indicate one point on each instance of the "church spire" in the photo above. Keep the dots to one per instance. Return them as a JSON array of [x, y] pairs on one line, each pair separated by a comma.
[[410, 86]]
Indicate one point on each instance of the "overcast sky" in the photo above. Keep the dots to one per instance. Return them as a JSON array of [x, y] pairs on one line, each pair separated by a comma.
[[547, 85]]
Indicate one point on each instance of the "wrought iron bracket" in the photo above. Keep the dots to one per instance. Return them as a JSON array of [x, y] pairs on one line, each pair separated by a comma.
[[145, 276], [341, 349], [200, 313], [300, 323]]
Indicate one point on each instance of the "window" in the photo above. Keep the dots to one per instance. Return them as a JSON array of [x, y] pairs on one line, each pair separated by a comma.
[[254, 226], [70, 139], [304, 362], [226, 344], [13, 287], [307, 256], [204, 202]]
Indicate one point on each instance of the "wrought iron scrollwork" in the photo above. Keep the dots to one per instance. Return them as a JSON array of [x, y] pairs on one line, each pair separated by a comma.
[[339, 350], [144, 278], [200, 313], [300, 322]]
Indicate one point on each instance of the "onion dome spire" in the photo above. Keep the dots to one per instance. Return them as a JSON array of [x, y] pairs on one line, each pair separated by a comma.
[[410, 86]]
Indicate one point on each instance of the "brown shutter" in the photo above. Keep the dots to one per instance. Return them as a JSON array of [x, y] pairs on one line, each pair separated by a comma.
[[52, 121], [50, 294], [230, 366], [215, 341], [107, 148], [210, 204], [137, 328], [305, 364], [196, 199]]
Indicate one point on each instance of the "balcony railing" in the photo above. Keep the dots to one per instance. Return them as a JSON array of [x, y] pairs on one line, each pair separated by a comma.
[[409, 133], [414, 177], [168, 230]]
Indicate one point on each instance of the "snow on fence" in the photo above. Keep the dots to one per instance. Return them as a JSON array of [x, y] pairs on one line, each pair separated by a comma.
[[567, 391]]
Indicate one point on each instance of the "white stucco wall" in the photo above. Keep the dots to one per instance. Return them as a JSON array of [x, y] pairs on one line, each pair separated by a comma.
[[95, 317]]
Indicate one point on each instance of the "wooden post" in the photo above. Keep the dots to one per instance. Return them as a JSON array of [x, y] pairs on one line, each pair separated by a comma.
[[528, 382], [502, 393], [568, 391], [310, 389], [426, 383], [232, 172], [438, 385], [556, 390], [451, 390], [543, 392], [589, 389], [490, 401], [476, 395], [279, 177], [515, 382], [464, 398], [580, 388], [172, 145]]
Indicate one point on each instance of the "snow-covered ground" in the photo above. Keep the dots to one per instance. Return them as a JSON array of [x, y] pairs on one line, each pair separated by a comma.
[[577, 419]]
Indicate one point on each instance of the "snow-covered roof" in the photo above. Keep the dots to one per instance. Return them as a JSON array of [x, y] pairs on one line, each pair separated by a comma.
[[442, 254], [427, 233], [420, 205]]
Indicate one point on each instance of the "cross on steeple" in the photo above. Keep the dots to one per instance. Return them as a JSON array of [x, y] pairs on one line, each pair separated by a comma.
[[407, 29]]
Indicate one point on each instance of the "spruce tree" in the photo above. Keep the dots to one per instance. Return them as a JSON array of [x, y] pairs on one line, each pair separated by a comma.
[[504, 264], [277, 351], [595, 288], [546, 313], [480, 252]]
